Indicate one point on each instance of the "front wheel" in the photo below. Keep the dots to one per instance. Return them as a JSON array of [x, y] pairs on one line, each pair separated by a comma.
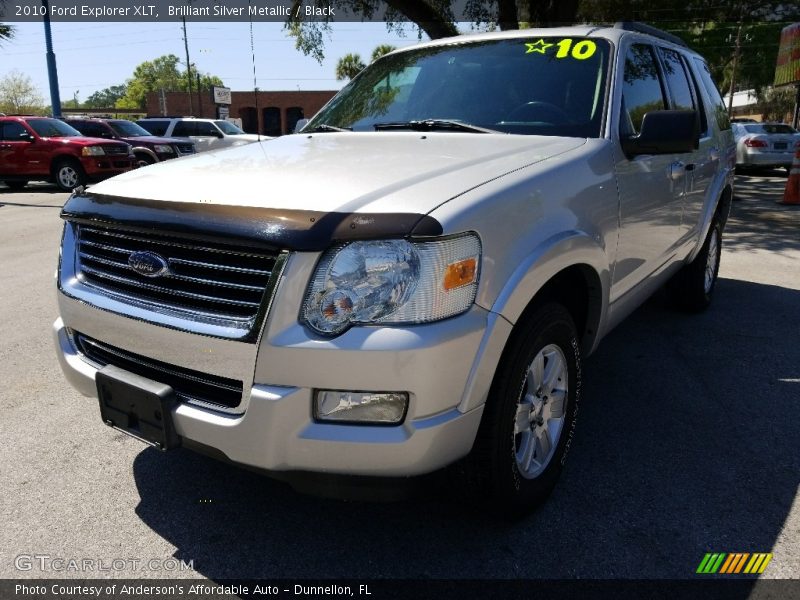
[[68, 174], [530, 414]]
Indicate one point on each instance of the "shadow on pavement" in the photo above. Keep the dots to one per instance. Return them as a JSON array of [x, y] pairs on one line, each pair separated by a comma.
[[757, 221], [687, 443]]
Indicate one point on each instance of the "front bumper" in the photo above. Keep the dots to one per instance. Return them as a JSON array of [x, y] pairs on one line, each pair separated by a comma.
[[102, 167], [276, 431]]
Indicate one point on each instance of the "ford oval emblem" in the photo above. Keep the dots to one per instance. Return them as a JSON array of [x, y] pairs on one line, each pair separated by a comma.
[[148, 264]]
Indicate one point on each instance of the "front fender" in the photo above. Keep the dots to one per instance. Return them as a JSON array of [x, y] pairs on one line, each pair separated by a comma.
[[553, 255], [147, 151]]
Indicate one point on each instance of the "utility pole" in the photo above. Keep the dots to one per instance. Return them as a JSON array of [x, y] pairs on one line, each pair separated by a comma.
[[188, 64], [52, 72], [736, 53]]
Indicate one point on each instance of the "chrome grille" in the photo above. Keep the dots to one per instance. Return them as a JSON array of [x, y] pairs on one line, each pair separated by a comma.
[[185, 148], [204, 279], [189, 385]]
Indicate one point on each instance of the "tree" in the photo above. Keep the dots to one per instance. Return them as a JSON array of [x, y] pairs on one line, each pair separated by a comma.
[[161, 73], [434, 18], [381, 50], [18, 95], [349, 66], [6, 32], [106, 98]]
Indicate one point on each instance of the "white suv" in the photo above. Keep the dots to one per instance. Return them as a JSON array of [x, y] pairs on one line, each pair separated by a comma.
[[414, 280], [207, 134]]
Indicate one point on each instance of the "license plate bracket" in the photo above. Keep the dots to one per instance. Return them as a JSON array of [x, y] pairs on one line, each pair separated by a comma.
[[137, 406]]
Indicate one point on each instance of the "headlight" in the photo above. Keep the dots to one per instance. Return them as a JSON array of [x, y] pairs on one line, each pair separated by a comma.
[[163, 149], [92, 151], [392, 281]]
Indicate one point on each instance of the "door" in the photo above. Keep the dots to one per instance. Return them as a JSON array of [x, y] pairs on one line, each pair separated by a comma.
[[19, 154], [651, 187], [700, 165]]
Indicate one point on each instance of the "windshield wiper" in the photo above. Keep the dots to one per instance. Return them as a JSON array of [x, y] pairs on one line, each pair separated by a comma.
[[433, 125], [326, 127]]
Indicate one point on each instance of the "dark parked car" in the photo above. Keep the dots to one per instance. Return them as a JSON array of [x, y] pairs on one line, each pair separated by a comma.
[[148, 148], [44, 149]]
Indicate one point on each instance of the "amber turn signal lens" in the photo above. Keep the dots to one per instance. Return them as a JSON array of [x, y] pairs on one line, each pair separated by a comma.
[[460, 273]]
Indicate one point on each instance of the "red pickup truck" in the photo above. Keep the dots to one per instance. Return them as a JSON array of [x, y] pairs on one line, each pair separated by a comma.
[[45, 149]]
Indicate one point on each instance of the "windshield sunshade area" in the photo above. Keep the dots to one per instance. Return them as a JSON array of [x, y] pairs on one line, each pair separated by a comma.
[[536, 86], [53, 128]]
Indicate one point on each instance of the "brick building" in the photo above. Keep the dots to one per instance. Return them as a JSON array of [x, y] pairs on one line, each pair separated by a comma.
[[275, 114]]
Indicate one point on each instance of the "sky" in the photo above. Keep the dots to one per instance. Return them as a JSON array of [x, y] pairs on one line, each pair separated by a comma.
[[93, 56]]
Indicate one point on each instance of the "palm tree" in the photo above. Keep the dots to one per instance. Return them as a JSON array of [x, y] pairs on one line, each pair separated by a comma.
[[349, 66], [381, 50], [6, 32]]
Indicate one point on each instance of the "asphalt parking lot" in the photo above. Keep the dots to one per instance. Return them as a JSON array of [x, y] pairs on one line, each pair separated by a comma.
[[687, 443]]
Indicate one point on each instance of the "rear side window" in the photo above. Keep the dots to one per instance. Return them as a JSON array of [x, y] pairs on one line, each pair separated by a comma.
[[717, 103], [155, 127], [91, 129], [678, 83], [11, 131], [642, 90], [184, 129]]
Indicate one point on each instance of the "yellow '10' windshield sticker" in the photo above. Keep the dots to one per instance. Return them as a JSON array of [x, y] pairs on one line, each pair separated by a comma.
[[580, 50]]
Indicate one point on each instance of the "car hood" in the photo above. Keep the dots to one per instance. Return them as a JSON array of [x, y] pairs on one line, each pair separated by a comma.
[[84, 140], [381, 172], [152, 139]]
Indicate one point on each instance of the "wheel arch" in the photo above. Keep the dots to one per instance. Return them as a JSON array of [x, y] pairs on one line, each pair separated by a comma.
[[571, 270], [147, 151]]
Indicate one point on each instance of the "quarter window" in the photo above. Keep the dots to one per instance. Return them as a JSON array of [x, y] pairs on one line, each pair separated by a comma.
[[717, 103]]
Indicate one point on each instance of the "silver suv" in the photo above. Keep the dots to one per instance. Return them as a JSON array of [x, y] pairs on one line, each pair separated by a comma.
[[413, 280], [207, 134]]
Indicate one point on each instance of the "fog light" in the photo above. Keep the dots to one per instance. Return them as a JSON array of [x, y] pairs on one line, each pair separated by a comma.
[[382, 408]]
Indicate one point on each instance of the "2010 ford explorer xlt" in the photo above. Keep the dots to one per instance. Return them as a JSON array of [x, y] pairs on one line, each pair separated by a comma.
[[412, 280]]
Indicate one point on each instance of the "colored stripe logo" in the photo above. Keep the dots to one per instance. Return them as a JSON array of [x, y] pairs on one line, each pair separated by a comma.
[[734, 563]]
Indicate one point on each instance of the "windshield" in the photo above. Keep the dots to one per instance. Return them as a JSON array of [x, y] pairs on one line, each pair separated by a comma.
[[541, 86], [53, 128], [128, 129], [228, 128]]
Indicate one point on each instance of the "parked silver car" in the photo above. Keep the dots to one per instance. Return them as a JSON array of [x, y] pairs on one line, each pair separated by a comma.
[[766, 145], [413, 281]]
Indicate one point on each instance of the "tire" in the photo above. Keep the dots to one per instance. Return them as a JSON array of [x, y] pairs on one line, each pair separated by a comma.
[[143, 160], [15, 186], [510, 462], [68, 174], [692, 288]]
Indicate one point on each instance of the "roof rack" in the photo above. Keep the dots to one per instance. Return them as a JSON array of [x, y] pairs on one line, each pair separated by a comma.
[[650, 30]]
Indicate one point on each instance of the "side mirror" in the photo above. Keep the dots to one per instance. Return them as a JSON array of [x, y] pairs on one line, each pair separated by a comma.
[[219, 134], [665, 132]]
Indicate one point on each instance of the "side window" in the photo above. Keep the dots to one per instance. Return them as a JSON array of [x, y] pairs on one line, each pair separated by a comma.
[[642, 91], [678, 83], [91, 129], [205, 128], [717, 103], [12, 131], [155, 127], [184, 129]]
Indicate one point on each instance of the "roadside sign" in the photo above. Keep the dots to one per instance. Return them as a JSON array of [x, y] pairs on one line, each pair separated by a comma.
[[222, 95], [787, 69]]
